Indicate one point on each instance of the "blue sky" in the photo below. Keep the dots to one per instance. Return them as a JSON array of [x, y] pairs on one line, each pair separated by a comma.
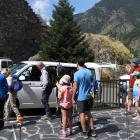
[[45, 7]]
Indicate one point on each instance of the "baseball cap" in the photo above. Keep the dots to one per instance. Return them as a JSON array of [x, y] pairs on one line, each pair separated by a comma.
[[135, 73]]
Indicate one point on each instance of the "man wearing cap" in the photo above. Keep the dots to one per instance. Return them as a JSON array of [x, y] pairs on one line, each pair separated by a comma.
[[135, 67], [82, 84]]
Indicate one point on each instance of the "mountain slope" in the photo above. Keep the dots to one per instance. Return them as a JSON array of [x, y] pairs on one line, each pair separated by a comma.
[[123, 16]]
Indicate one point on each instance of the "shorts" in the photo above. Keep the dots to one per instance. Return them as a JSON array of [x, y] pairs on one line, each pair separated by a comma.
[[130, 93], [65, 108], [136, 98], [83, 106]]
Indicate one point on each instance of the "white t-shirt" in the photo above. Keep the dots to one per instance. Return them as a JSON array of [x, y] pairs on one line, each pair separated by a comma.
[[10, 81], [138, 82]]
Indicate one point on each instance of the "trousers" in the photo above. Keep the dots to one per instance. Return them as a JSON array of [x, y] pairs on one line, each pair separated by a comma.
[[11, 103], [45, 100], [2, 102]]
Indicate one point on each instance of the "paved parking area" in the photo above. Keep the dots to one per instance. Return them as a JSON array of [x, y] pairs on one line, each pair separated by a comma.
[[109, 125]]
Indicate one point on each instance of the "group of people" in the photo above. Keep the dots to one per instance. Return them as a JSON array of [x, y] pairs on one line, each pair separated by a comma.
[[134, 90], [67, 93], [6, 84]]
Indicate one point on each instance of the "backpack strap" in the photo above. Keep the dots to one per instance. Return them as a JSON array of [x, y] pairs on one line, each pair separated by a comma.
[[137, 81]]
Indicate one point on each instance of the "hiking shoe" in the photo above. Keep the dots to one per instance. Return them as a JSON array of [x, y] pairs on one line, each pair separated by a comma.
[[43, 116], [5, 119], [83, 135], [61, 134], [69, 132], [92, 133], [46, 118], [16, 121]]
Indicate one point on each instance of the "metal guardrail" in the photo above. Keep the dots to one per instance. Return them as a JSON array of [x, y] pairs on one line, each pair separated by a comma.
[[112, 94]]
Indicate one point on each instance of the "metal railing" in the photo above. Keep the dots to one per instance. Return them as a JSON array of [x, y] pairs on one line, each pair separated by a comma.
[[112, 93]]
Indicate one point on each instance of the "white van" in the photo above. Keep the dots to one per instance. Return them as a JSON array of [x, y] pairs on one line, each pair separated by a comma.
[[30, 95], [5, 63]]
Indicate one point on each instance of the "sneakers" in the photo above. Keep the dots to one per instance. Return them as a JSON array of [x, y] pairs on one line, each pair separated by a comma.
[[43, 116], [83, 135], [69, 132], [16, 121], [46, 118], [61, 134], [92, 133], [5, 119], [136, 118]]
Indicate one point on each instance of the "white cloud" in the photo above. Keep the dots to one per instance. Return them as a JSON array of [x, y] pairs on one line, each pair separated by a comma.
[[41, 7], [74, 13], [48, 23]]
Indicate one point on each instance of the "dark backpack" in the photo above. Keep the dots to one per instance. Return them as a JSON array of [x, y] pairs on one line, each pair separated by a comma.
[[52, 75], [17, 84]]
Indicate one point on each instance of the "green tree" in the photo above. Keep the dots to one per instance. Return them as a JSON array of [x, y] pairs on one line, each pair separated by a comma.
[[110, 31], [135, 52], [63, 40]]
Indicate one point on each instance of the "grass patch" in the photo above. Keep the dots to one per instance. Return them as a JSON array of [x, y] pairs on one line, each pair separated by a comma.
[[116, 46]]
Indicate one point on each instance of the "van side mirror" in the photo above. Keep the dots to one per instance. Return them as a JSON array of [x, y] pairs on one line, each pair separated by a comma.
[[22, 78]]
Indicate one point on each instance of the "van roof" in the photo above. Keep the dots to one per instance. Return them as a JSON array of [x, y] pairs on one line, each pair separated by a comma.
[[100, 65], [50, 63], [88, 64]]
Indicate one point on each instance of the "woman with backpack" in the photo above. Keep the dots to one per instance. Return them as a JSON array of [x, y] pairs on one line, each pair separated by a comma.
[[11, 101], [65, 96]]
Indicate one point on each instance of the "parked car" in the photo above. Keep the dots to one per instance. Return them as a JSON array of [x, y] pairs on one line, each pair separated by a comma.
[[30, 95], [5, 63]]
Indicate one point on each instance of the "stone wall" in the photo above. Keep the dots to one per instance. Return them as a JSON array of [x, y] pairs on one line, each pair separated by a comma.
[[20, 30]]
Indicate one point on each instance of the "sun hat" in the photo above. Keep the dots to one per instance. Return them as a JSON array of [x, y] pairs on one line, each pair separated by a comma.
[[66, 79], [135, 60], [135, 73]]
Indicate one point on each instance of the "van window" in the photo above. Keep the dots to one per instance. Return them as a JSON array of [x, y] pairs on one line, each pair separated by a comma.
[[70, 71], [10, 64], [4, 64], [32, 74], [15, 68]]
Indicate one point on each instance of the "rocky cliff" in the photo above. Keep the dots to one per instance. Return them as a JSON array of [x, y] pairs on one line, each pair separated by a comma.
[[108, 50], [121, 16]]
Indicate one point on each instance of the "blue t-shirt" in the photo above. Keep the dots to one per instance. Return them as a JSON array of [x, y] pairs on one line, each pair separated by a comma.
[[83, 77]]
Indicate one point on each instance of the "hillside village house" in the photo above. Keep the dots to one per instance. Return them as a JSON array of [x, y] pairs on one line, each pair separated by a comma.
[[20, 30]]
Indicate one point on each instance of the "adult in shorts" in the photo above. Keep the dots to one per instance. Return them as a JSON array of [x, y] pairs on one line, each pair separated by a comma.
[[82, 84], [135, 67]]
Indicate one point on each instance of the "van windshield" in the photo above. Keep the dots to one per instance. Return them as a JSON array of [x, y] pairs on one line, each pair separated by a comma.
[[15, 68]]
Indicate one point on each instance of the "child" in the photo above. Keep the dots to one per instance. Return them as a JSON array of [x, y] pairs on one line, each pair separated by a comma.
[[65, 96], [136, 93]]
